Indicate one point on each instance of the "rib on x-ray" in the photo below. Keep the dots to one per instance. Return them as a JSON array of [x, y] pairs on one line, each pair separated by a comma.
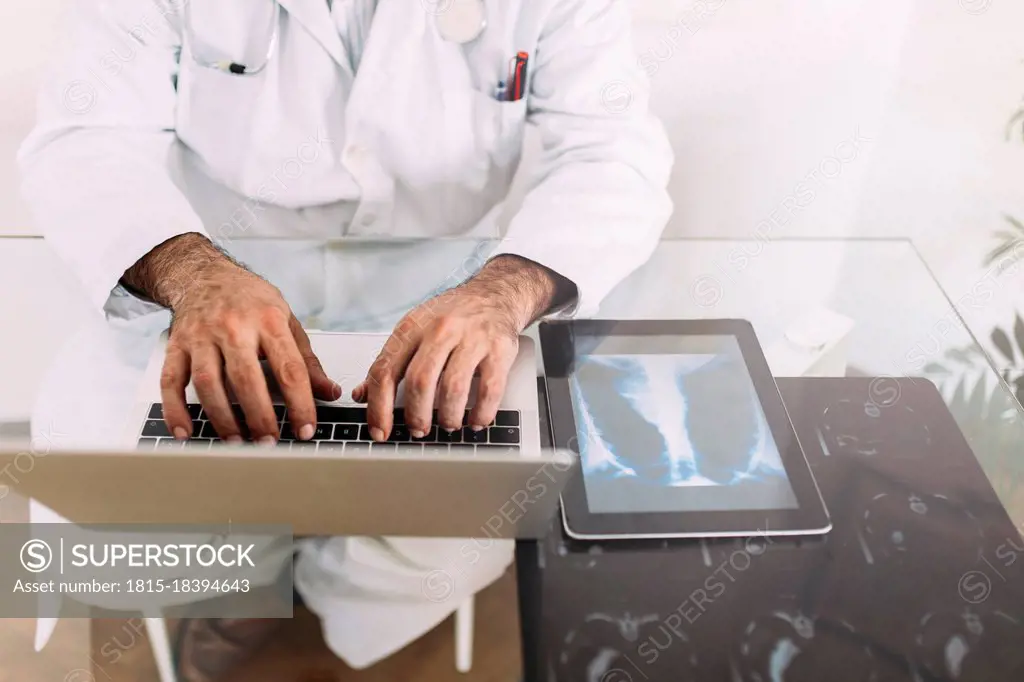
[[671, 420]]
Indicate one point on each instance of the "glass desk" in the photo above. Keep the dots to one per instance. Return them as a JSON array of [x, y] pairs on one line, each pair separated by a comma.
[[919, 579]]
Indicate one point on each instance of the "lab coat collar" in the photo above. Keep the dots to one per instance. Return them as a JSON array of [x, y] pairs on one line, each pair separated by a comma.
[[315, 17]]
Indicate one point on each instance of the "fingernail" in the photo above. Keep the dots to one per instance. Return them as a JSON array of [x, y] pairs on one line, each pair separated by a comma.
[[180, 433], [477, 427], [416, 433], [306, 432], [335, 389], [268, 440], [376, 433], [233, 440]]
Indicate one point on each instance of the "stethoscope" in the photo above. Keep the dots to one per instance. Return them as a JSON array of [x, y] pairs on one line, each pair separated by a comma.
[[458, 21]]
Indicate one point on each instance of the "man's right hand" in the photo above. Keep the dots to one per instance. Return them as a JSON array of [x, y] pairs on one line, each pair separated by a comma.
[[225, 319]]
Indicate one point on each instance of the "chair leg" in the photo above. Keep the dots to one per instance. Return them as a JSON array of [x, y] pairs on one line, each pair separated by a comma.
[[160, 642], [464, 636]]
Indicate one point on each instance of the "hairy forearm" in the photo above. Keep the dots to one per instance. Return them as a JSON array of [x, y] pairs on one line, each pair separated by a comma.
[[528, 289], [165, 274]]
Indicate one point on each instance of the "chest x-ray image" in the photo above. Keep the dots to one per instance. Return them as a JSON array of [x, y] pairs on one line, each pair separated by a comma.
[[674, 433]]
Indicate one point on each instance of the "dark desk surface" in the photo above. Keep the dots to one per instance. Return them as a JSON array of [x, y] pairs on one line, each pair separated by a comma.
[[920, 579]]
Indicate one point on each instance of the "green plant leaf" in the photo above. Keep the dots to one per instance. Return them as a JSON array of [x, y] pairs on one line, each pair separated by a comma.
[[1018, 333], [1016, 120], [1009, 239], [1002, 342], [998, 252], [1017, 225], [978, 403], [1018, 388], [966, 355], [960, 393]]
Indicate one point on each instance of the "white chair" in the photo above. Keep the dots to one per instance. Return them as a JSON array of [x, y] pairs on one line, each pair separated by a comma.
[[160, 641]]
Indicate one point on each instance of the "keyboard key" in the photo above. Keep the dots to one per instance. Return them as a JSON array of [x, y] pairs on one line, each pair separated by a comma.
[[435, 450], [279, 412], [209, 432], [155, 428], [283, 445], [466, 422], [464, 449], [146, 444], [357, 448], [492, 449], [383, 449], [169, 444], [346, 432], [410, 449], [197, 426], [322, 432], [449, 437], [198, 444], [507, 418], [431, 436], [364, 432], [399, 415], [399, 433], [471, 436], [156, 411], [503, 434], [304, 446], [326, 446], [346, 415]]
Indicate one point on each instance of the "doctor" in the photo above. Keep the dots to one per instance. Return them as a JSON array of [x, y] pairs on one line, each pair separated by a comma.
[[395, 118]]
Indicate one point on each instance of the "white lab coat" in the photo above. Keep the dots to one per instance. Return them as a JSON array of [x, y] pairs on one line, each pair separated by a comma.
[[431, 152]]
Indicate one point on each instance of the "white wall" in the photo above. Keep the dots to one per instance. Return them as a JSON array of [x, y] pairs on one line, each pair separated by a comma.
[[759, 97]]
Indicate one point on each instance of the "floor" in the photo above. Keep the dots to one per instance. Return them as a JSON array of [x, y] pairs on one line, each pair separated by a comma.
[[120, 652]]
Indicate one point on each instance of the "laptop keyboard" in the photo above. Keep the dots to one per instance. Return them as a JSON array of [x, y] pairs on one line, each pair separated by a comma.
[[344, 430]]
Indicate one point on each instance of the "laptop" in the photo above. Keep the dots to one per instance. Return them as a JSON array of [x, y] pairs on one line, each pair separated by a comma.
[[496, 483]]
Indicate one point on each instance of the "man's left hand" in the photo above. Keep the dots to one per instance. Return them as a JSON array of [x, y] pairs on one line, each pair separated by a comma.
[[440, 345]]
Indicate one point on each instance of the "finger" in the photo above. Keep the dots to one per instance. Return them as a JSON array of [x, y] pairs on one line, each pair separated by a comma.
[[359, 392], [381, 383], [173, 380], [456, 382], [421, 379], [242, 366], [292, 376], [490, 388], [323, 387], [208, 379]]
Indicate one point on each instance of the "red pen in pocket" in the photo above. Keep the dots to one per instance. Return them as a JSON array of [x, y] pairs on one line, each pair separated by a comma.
[[517, 79]]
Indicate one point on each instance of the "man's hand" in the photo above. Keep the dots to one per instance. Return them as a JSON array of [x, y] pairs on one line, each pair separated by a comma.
[[225, 319], [439, 346]]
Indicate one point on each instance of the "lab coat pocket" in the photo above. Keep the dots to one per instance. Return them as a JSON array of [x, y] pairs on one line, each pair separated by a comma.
[[219, 114], [481, 132]]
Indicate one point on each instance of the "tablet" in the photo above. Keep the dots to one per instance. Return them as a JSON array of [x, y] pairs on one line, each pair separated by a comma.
[[680, 429]]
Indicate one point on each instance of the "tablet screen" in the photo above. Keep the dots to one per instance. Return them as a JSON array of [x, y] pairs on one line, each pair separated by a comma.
[[673, 424]]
